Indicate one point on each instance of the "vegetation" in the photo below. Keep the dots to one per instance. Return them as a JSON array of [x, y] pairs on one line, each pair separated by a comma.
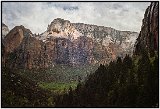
[[17, 91], [39, 87], [58, 88], [128, 82], [131, 82], [58, 74]]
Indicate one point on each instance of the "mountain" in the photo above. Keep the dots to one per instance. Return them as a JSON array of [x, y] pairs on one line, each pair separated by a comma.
[[66, 43], [148, 37], [5, 30], [110, 42], [129, 82], [15, 37]]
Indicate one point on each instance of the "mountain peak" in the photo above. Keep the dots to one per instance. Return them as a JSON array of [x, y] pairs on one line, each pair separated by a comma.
[[72, 43], [60, 28], [14, 38], [57, 25], [60, 19]]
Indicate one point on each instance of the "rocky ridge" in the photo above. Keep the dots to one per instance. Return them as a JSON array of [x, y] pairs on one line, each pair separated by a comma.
[[111, 42], [66, 43]]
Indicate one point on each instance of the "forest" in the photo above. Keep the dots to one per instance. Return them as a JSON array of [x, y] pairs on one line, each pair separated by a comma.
[[128, 82]]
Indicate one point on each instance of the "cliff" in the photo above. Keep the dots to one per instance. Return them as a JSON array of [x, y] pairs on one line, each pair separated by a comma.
[[148, 37], [108, 43], [66, 43]]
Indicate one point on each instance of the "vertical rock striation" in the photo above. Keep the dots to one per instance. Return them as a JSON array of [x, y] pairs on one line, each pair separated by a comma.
[[148, 37]]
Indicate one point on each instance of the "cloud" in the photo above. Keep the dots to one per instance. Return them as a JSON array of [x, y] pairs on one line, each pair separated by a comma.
[[37, 15]]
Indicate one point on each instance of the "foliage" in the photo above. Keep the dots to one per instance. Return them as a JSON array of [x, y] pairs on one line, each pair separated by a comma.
[[57, 88], [128, 82], [131, 82], [18, 91], [60, 73]]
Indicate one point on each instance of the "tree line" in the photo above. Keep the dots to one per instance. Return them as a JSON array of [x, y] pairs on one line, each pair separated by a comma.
[[128, 82]]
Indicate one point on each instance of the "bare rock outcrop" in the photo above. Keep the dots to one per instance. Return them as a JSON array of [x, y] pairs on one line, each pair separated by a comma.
[[148, 37], [65, 43]]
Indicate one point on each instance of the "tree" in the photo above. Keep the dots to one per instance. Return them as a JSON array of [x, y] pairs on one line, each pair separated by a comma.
[[70, 97]]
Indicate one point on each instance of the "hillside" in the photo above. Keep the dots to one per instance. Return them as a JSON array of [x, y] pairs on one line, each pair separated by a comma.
[[129, 82]]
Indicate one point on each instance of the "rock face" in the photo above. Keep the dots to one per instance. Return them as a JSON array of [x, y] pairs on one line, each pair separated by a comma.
[[65, 43], [15, 46], [13, 39], [105, 43], [148, 37], [5, 30]]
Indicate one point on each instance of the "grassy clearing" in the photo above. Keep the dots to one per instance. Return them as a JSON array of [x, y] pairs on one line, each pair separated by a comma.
[[58, 87]]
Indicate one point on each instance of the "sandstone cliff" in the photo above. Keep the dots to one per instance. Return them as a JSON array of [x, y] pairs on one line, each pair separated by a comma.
[[65, 43], [148, 37], [107, 42]]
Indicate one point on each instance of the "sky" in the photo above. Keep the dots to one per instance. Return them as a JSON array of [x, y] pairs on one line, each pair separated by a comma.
[[125, 16]]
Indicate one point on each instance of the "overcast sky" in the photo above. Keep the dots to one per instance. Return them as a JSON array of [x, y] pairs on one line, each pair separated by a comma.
[[37, 15]]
